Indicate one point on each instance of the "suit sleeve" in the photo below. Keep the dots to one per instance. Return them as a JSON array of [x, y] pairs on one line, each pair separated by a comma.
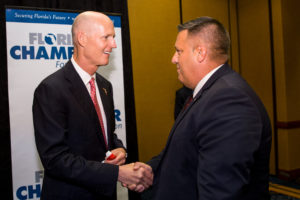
[[154, 162], [227, 140], [51, 128]]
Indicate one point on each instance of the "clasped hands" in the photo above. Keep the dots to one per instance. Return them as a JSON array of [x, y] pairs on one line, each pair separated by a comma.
[[136, 176]]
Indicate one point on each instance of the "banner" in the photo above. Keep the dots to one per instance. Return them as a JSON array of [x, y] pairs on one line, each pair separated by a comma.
[[39, 43]]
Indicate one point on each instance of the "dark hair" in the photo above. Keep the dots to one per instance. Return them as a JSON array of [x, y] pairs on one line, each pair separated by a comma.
[[211, 31]]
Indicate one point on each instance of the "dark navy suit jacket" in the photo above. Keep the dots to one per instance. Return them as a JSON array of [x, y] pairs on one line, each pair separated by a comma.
[[69, 138], [219, 147]]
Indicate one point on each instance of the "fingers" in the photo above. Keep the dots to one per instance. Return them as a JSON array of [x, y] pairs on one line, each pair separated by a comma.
[[131, 187], [137, 176], [138, 165], [139, 188], [117, 161], [134, 187], [147, 174], [137, 180], [146, 177], [144, 165], [120, 158]]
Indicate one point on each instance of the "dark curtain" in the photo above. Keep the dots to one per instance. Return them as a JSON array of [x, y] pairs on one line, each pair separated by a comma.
[[107, 6]]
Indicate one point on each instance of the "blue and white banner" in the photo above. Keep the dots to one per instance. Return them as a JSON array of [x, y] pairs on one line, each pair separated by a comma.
[[38, 44]]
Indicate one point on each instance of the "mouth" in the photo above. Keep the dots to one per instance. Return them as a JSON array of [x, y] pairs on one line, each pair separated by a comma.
[[107, 52]]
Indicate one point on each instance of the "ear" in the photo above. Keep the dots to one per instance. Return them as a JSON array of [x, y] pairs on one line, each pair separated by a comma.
[[201, 53], [82, 39]]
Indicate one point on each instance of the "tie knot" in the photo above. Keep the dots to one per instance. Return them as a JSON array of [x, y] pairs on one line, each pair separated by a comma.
[[93, 88], [92, 82], [188, 102], [190, 99]]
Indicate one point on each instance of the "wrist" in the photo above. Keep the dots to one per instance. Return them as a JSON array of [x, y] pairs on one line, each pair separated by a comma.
[[121, 174]]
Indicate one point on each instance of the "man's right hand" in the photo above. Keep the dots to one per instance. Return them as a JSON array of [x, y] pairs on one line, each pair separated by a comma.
[[136, 176]]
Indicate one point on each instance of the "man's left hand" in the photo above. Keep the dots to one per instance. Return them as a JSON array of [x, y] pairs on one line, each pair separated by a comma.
[[120, 158]]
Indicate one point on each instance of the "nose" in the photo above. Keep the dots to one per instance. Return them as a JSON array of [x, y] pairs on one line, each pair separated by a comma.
[[175, 58], [113, 43]]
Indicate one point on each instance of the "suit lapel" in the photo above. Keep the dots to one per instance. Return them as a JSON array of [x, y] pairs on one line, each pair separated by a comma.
[[219, 73], [78, 88], [104, 94], [82, 96], [225, 69]]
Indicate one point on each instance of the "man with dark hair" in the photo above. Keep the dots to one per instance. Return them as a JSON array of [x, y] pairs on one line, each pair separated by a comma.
[[219, 146]]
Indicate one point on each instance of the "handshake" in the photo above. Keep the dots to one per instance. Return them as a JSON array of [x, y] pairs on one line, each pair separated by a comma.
[[136, 176]]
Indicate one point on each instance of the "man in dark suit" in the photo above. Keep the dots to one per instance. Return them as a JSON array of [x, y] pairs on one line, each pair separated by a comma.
[[74, 123], [219, 146]]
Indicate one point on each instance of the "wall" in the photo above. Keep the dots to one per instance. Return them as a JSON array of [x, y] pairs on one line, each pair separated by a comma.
[[287, 64], [153, 30], [255, 53]]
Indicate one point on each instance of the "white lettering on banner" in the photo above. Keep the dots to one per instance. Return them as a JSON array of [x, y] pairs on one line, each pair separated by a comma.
[[38, 16], [23, 16], [59, 17]]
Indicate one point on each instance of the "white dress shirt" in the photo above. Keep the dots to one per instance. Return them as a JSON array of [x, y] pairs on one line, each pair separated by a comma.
[[86, 77], [204, 80]]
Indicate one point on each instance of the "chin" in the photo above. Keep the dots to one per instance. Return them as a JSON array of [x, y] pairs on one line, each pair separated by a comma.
[[103, 63], [180, 79]]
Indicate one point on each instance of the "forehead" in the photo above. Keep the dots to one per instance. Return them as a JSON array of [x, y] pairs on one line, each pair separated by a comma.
[[100, 26], [181, 38], [182, 35], [107, 23]]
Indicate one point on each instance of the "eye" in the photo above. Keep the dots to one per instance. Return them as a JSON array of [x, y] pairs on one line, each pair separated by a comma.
[[105, 37], [178, 51], [108, 37]]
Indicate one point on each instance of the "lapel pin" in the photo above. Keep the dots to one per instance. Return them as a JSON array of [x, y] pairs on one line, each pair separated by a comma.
[[105, 90]]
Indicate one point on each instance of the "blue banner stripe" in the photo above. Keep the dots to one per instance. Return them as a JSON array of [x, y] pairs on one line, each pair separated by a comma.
[[47, 17]]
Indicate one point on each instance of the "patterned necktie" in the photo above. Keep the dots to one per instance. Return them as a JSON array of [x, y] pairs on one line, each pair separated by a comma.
[[97, 107]]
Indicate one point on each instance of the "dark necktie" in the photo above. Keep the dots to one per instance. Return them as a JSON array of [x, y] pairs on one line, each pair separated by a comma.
[[97, 107], [188, 102]]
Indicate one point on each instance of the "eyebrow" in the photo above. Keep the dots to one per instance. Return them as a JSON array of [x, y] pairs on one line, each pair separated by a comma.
[[177, 49]]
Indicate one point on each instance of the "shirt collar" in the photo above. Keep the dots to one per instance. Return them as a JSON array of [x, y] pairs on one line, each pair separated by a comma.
[[86, 77], [204, 80]]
